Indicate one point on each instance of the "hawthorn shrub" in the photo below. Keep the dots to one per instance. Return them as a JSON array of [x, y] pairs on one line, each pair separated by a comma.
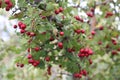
[[56, 32]]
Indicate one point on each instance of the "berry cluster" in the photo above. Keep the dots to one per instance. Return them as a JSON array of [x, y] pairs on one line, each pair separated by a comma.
[[80, 74], [108, 14], [20, 65], [85, 52], [32, 61], [78, 18], [57, 11], [90, 14], [78, 31], [114, 41]]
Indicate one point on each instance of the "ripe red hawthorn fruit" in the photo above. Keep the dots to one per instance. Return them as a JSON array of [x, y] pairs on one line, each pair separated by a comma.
[[114, 41], [17, 64], [57, 11], [15, 26], [21, 65], [99, 43], [77, 75], [28, 33], [7, 1], [118, 49], [70, 50], [7, 8], [82, 31], [29, 56], [30, 61], [114, 52], [19, 24], [49, 70], [35, 63], [23, 26], [78, 18], [92, 10], [60, 45], [0, 4], [101, 28], [32, 34], [60, 9], [51, 38], [37, 49], [61, 33], [28, 50], [108, 14], [90, 14], [10, 5], [90, 61], [47, 58], [78, 31], [85, 52], [22, 31], [93, 32], [83, 72]]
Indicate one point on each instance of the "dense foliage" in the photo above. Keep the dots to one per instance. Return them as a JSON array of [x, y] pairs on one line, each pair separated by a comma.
[[56, 32]]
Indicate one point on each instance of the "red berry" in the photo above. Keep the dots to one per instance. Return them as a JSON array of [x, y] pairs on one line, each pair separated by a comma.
[[92, 9], [47, 58], [29, 56], [15, 26], [101, 28], [83, 31], [60, 45], [10, 5], [57, 11], [93, 33], [84, 72], [90, 61], [30, 61], [78, 18], [51, 38], [19, 24], [32, 34], [61, 33], [37, 48], [118, 49], [7, 1], [17, 64], [7, 8], [78, 31], [114, 52], [22, 31], [99, 43], [34, 64], [90, 14], [23, 26], [28, 33], [21, 65], [60, 9]]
